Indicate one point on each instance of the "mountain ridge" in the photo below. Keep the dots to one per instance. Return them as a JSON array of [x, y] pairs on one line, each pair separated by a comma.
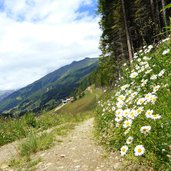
[[5, 93], [48, 90]]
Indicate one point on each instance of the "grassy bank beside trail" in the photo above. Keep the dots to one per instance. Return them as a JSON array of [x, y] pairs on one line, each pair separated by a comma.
[[79, 110], [135, 118], [41, 132]]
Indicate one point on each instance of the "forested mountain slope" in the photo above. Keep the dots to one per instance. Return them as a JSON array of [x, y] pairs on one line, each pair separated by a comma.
[[5, 93], [49, 90]]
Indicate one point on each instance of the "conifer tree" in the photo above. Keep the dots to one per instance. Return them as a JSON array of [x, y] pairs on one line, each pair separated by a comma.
[[128, 26]]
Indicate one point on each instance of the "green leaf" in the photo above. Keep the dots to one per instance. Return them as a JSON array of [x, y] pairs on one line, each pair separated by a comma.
[[166, 7]]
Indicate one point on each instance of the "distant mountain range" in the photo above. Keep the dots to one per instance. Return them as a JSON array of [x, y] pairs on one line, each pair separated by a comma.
[[49, 90], [5, 93]]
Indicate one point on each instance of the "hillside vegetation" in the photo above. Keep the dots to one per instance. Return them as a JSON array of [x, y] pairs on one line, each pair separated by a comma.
[[13, 129], [135, 117], [47, 92], [5, 93]]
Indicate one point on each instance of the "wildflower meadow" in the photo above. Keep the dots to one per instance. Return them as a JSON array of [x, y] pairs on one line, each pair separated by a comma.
[[135, 118]]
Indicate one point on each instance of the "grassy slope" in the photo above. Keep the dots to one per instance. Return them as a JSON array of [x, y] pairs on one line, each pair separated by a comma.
[[86, 103], [157, 141], [30, 127], [11, 130]]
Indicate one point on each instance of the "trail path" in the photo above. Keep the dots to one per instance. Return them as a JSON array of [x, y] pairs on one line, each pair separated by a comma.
[[59, 107], [78, 152]]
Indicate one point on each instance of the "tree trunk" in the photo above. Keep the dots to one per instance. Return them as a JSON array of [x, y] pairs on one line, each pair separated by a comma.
[[158, 15], [164, 15], [130, 53], [152, 9]]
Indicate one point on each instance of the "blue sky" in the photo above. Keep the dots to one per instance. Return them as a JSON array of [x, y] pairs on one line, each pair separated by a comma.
[[37, 37], [91, 9]]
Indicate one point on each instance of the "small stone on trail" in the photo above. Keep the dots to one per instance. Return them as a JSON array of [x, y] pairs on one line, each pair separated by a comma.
[[62, 155], [75, 161], [42, 155], [78, 166], [98, 170]]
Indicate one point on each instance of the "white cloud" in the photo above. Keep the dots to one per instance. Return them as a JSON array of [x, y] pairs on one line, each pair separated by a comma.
[[48, 37]]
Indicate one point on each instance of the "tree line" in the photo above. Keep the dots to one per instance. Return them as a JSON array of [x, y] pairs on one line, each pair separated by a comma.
[[127, 27]]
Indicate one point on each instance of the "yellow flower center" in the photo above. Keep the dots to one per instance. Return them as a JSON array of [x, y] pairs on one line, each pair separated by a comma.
[[123, 149], [127, 123], [144, 130], [139, 150]]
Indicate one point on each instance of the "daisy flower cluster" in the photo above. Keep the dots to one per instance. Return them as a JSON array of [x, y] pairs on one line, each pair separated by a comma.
[[132, 106]]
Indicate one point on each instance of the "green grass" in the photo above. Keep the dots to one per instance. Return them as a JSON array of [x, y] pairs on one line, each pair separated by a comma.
[[84, 104], [35, 143], [14, 129], [38, 142], [34, 128], [29, 164], [112, 132]]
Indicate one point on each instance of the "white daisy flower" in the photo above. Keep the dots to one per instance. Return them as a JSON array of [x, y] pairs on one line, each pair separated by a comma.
[[125, 86], [145, 129], [117, 94], [150, 47], [149, 113], [129, 140], [113, 108], [133, 75], [153, 77], [156, 88], [120, 104], [118, 118], [119, 112], [155, 117], [164, 40], [127, 123], [137, 67], [121, 97], [161, 73], [144, 82], [132, 114], [139, 60], [140, 101], [139, 150], [123, 150], [166, 51], [109, 104], [146, 58], [127, 131], [139, 110], [117, 125], [153, 99], [134, 94], [148, 71], [148, 97], [126, 112]]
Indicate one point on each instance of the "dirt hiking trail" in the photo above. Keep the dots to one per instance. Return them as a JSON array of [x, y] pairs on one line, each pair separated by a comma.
[[76, 152]]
